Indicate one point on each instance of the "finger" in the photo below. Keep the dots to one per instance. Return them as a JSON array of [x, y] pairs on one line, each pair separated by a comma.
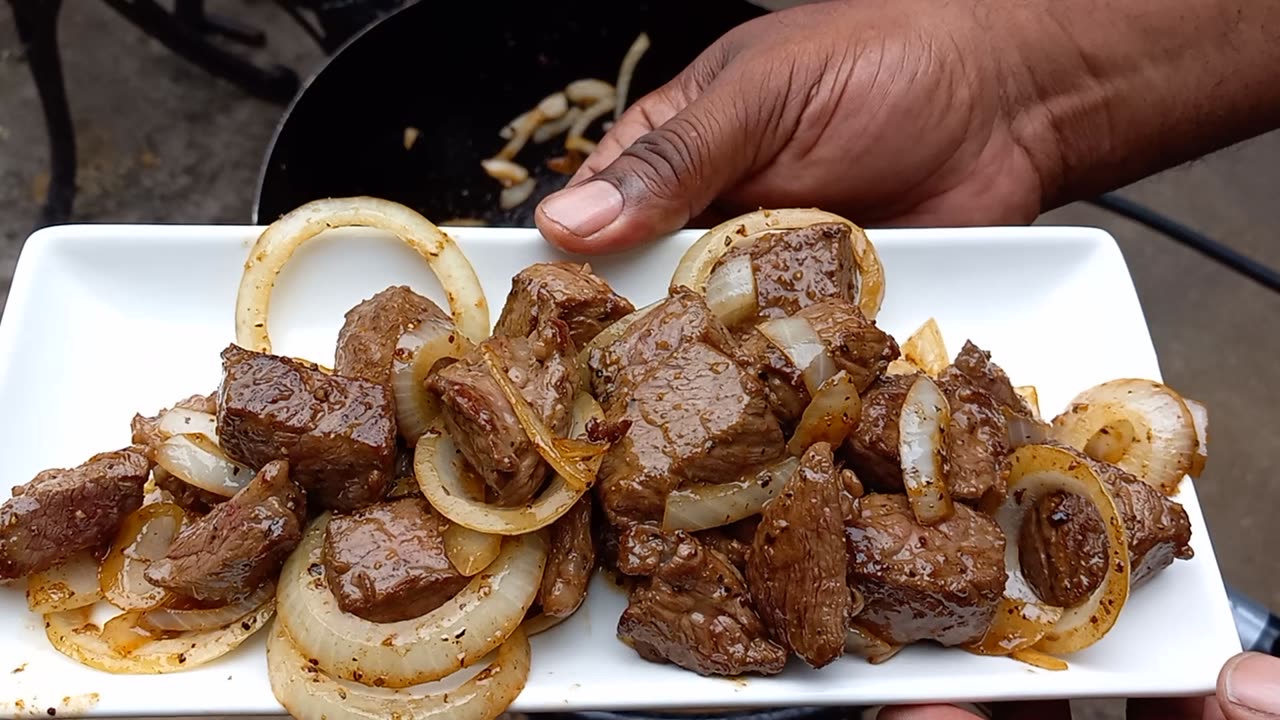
[[1249, 687], [648, 113], [926, 712]]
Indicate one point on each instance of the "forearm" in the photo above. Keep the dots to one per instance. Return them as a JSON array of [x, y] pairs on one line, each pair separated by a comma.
[[1119, 89]]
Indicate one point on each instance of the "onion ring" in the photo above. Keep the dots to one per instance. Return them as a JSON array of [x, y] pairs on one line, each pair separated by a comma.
[[417, 351], [796, 338], [144, 537], [278, 242], [627, 70], [199, 462], [166, 619], [922, 421], [470, 552], [69, 585], [830, 416], [731, 291], [707, 505]]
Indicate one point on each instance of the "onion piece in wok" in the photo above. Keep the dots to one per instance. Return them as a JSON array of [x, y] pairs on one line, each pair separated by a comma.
[[515, 195], [702, 506], [144, 537], [923, 419], [71, 584], [796, 338], [417, 352], [199, 462], [577, 132], [830, 417], [308, 693], [627, 70], [701, 258], [399, 654], [279, 241]]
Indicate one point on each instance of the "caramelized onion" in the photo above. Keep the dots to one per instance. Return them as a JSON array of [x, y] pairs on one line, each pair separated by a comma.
[[71, 584], [521, 129], [1032, 397], [517, 194], [628, 69], [1200, 418], [707, 505], [925, 414], [577, 132], [830, 417], [860, 641], [1018, 624], [470, 552], [731, 291], [554, 128], [417, 352], [926, 349], [1022, 430], [166, 619], [198, 461], [507, 172], [588, 91], [181, 421], [144, 537], [796, 338]]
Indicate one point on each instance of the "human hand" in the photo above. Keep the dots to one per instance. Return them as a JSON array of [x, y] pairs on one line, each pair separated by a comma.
[[1248, 689]]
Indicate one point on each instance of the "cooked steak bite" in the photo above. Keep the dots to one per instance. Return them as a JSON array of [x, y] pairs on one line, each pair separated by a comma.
[[571, 560], [797, 567], [338, 433], [146, 430], [975, 363], [695, 611], [872, 449], [481, 420], [939, 583], [368, 338], [240, 544], [733, 540], [855, 344], [681, 319], [697, 416], [797, 268], [976, 444], [387, 563], [63, 511], [584, 301], [1063, 545]]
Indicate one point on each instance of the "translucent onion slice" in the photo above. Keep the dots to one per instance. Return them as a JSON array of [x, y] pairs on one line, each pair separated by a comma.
[[699, 260], [507, 172], [198, 461], [588, 91], [1161, 429], [417, 352], [124, 635], [455, 635], [572, 460], [1035, 658], [796, 338], [73, 634], [517, 194], [557, 127], [69, 585], [1038, 470], [926, 349], [1200, 417], [144, 537], [181, 421], [1017, 624], [1022, 430], [702, 506], [860, 641], [1032, 398], [284, 236], [167, 619], [541, 623], [731, 291], [627, 70], [470, 552], [521, 129], [830, 417], [577, 132], [925, 414], [308, 693], [438, 467]]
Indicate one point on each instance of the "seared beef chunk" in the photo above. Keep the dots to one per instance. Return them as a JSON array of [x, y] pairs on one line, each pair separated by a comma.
[[694, 611], [937, 583], [872, 450], [695, 415], [571, 559], [681, 319], [733, 541], [975, 363], [387, 563], [856, 345], [368, 338], [582, 300], [1063, 543], [641, 549], [61, 512], [976, 444], [146, 430], [797, 567], [240, 544], [797, 268], [484, 425], [338, 433]]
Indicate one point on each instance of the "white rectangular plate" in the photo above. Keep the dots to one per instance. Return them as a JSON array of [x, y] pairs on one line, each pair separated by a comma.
[[105, 321]]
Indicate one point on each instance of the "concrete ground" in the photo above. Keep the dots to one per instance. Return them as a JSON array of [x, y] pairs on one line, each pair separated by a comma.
[[162, 142]]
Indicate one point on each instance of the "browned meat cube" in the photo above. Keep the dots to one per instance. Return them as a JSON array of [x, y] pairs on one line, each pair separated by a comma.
[[797, 268], [481, 420], [387, 563], [368, 338], [939, 583], [857, 346], [1063, 545], [571, 560], [733, 540], [681, 319], [975, 363], [240, 544], [976, 444], [338, 433], [797, 567], [872, 450], [63, 511], [584, 301], [696, 415], [695, 612]]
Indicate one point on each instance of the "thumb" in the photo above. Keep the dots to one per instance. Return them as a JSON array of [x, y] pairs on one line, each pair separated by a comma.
[[1249, 687], [668, 173]]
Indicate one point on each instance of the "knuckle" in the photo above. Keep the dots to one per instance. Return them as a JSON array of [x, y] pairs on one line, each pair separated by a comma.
[[667, 159]]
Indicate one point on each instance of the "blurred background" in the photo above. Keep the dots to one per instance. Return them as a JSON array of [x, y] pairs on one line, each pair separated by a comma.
[[159, 139]]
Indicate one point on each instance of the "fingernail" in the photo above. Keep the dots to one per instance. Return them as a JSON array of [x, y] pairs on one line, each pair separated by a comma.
[[585, 209], [1254, 683]]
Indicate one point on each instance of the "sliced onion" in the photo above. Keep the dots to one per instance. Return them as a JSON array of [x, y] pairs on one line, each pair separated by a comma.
[[830, 417], [1163, 445], [279, 241], [470, 552], [1038, 470], [577, 132], [508, 131], [926, 349], [579, 470], [925, 414], [542, 622], [166, 619], [144, 537], [437, 465], [1200, 417], [731, 291], [417, 352], [181, 421], [73, 634], [124, 635], [517, 194], [796, 338], [1032, 397], [1022, 430], [628, 70], [399, 654], [198, 461], [860, 641], [71, 584], [1018, 624], [588, 91], [699, 260], [707, 505], [308, 693], [557, 127], [1035, 658], [901, 366], [507, 172]]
